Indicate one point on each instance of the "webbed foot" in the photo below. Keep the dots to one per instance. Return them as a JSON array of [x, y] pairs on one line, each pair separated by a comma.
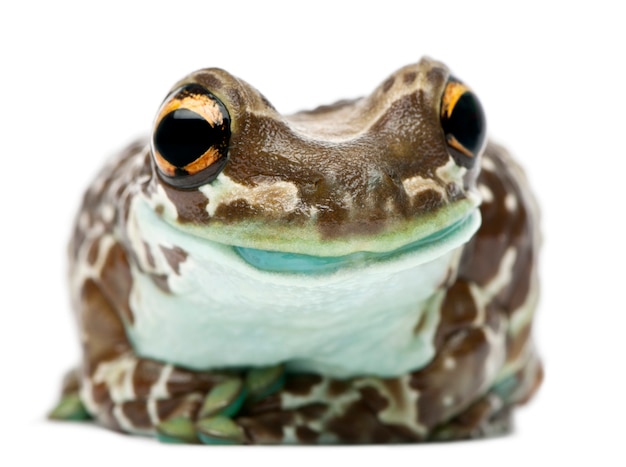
[[70, 407], [215, 421]]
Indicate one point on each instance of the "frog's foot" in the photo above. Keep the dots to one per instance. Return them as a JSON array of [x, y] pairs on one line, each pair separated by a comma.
[[141, 396], [135, 395], [70, 407], [491, 415], [487, 417], [216, 423], [213, 422]]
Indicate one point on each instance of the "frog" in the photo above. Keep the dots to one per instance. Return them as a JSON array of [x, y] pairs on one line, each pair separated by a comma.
[[363, 272]]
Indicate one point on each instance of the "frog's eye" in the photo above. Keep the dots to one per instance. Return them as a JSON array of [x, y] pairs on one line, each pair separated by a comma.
[[463, 123], [191, 135]]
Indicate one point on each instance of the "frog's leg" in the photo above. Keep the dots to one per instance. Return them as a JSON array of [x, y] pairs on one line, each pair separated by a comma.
[[491, 414], [119, 389], [113, 385], [500, 268]]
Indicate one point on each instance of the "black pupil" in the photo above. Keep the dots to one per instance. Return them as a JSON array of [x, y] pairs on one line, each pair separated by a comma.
[[183, 136], [467, 122]]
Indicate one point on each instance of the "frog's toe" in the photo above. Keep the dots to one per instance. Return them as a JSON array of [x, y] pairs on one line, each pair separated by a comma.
[[177, 424], [226, 399], [215, 423], [177, 430], [219, 430], [263, 382], [70, 408]]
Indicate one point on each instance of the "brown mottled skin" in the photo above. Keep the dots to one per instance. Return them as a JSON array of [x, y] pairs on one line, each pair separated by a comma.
[[353, 150]]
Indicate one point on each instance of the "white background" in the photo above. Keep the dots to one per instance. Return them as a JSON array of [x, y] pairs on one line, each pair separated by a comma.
[[79, 81]]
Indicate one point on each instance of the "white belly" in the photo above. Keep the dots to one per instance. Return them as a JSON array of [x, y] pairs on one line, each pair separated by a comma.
[[222, 312]]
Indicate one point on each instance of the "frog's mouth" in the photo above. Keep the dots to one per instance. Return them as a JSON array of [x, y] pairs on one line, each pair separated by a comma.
[[421, 251]]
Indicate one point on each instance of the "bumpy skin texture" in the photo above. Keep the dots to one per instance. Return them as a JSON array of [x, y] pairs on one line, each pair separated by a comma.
[[484, 363]]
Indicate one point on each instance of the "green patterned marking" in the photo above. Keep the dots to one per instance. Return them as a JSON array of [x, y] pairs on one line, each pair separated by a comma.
[[70, 408], [262, 382], [226, 399], [219, 430], [178, 430]]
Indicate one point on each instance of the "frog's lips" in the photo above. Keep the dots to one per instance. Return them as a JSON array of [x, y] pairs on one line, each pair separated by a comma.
[[423, 250]]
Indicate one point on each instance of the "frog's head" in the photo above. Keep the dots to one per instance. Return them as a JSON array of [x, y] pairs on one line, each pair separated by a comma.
[[360, 179]]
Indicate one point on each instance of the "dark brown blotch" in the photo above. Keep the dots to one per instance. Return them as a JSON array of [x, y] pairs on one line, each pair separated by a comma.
[[270, 403], [182, 381], [92, 252], [337, 387], [137, 412], [100, 394], [437, 74], [301, 384], [427, 201], [358, 425], [306, 435], [174, 256], [146, 374], [373, 399], [149, 255], [469, 344], [313, 411], [102, 325], [266, 428], [117, 281], [458, 311], [190, 204], [518, 290], [409, 77], [183, 406], [166, 407], [235, 211], [160, 280], [388, 83]]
